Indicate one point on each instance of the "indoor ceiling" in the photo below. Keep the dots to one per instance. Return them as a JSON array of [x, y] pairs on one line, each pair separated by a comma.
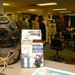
[[25, 5]]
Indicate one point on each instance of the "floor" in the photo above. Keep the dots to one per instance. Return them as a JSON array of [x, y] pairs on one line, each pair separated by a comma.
[[67, 53]]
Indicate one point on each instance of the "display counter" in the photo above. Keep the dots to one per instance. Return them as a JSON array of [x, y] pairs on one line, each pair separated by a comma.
[[18, 70]]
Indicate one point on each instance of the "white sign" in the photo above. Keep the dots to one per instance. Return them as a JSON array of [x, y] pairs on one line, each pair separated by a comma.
[[31, 34]]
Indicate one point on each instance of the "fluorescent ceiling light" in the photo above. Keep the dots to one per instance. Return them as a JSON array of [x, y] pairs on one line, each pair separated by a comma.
[[59, 9], [6, 4], [31, 9], [65, 12], [47, 4], [72, 14]]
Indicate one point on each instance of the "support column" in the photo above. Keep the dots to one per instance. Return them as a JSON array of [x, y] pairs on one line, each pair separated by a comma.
[[1, 7]]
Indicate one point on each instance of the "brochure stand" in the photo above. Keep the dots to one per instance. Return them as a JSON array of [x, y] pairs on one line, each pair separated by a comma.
[[31, 49]]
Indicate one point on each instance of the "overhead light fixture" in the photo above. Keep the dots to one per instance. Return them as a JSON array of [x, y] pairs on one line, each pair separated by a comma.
[[6, 4], [72, 14], [31, 9], [46, 4], [59, 9], [65, 12]]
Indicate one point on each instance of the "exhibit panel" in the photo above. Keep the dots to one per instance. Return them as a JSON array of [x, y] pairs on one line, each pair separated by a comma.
[[31, 49]]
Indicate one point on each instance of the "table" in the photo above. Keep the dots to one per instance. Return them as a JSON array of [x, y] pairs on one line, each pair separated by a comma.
[[18, 70]]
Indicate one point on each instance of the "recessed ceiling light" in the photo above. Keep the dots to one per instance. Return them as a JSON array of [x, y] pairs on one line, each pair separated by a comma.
[[31, 9], [6, 4], [65, 12], [60, 9], [46, 4]]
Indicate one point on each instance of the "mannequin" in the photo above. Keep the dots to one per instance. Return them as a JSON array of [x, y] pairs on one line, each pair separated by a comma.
[[54, 28], [35, 24], [19, 23], [43, 31], [26, 24], [51, 29]]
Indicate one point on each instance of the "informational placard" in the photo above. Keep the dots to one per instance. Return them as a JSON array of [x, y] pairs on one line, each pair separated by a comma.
[[51, 71], [31, 34], [37, 50], [26, 47], [31, 49]]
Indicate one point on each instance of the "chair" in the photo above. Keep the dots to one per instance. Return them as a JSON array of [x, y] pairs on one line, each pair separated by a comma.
[[58, 45], [73, 39], [73, 31], [64, 32], [67, 38]]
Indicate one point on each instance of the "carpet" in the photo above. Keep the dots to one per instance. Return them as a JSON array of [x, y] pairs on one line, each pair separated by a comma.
[[70, 62]]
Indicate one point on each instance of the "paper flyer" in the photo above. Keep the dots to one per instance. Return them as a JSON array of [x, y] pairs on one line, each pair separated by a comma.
[[51, 71]]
